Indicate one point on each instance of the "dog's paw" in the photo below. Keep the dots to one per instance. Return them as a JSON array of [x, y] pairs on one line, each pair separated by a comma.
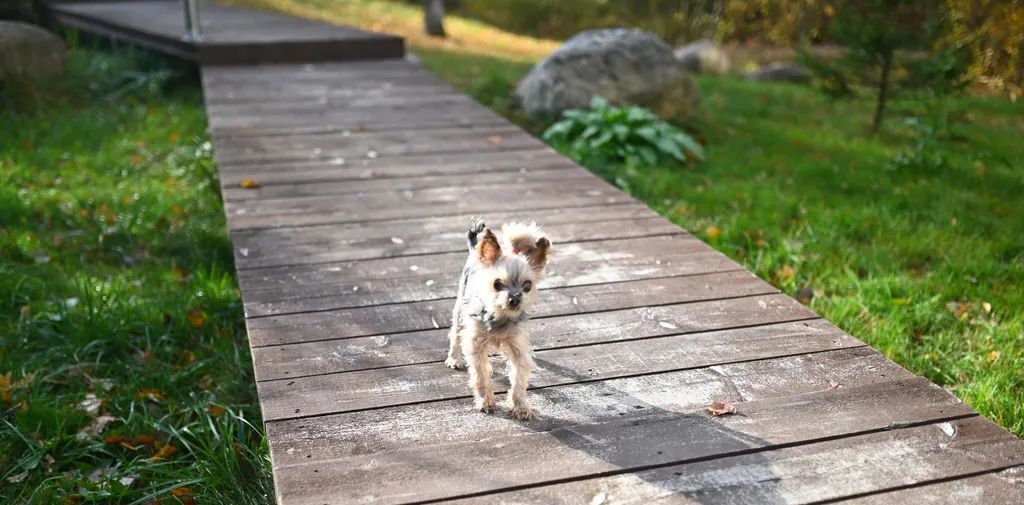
[[486, 406], [521, 413], [454, 364]]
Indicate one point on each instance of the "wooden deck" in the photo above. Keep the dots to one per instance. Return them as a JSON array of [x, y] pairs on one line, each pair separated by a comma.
[[230, 35], [348, 254]]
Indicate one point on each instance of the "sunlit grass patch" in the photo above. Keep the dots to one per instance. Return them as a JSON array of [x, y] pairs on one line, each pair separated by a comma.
[[465, 35]]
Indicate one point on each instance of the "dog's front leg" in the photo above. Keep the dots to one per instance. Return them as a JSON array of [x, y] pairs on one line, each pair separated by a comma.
[[520, 365], [475, 353]]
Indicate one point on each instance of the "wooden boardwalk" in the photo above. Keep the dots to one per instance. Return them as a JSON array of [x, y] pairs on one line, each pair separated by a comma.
[[348, 253], [230, 35]]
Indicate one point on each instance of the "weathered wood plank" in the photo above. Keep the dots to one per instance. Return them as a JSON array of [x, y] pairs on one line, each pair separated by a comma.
[[253, 150], [1006, 486], [497, 462], [417, 278], [352, 102], [318, 394], [329, 437], [571, 192], [556, 365], [803, 474], [411, 118], [295, 246], [364, 187], [360, 168], [433, 314]]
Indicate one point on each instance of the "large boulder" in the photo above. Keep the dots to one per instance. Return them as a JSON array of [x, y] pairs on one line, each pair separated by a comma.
[[782, 72], [28, 51], [624, 66], [703, 56]]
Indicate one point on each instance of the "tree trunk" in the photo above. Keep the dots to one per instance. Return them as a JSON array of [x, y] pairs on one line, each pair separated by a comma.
[[883, 92], [433, 17]]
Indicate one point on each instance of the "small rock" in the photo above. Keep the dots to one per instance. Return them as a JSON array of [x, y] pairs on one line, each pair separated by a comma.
[[779, 72], [703, 56], [28, 51]]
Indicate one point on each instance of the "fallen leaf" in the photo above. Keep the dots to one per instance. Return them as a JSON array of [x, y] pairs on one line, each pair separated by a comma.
[[249, 184], [712, 232], [196, 317], [173, 136], [785, 273], [115, 439], [987, 307], [993, 356], [206, 382], [215, 410], [150, 394], [181, 491], [494, 139], [5, 387], [164, 452], [96, 427], [720, 408], [186, 358]]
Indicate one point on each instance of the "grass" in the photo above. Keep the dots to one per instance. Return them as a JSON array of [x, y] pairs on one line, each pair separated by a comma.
[[124, 369], [922, 260]]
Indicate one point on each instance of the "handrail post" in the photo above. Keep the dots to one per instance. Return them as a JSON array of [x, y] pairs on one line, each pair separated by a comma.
[[193, 31]]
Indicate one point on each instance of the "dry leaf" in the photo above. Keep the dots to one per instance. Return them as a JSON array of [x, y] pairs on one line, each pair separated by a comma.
[[712, 232], [91, 405], [164, 452], [173, 136], [115, 439], [5, 386], [249, 184], [206, 382], [196, 317], [719, 408], [987, 307], [785, 273], [150, 394], [186, 358], [494, 139], [993, 356], [215, 410]]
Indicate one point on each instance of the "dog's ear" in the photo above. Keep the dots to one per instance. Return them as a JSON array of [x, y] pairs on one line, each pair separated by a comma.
[[538, 254], [488, 250]]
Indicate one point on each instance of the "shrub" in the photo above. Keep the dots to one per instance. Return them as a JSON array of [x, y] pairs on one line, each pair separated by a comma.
[[632, 135]]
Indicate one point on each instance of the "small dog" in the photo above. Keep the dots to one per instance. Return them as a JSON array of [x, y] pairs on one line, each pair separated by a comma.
[[498, 285]]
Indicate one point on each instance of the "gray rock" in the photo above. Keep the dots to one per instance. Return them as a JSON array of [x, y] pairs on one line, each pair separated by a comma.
[[703, 56], [782, 72], [28, 51], [624, 66]]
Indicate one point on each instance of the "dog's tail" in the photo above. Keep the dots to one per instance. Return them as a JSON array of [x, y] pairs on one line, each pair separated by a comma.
[[476, 227], [526, 239]]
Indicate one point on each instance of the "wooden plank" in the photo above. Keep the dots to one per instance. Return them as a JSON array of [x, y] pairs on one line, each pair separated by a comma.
[[497, 462], [254, 150], [231, 35], [1006, 486], [434, 314], [579, 191], [364, 186], [277, 367], [350, 103], [361, 168], [337, 245], [417, 278], [414, 118], [803, 474], [329, 437], [318, 394]]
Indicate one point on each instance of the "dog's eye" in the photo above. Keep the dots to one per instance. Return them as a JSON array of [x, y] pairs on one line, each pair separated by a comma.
[[498, 285], [527, 286]]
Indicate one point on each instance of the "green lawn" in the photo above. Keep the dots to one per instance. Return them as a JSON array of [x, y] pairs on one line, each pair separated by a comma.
[[923, 261], [125, 375]]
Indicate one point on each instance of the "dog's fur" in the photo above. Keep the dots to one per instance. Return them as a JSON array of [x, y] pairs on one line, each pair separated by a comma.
[[497, 288]]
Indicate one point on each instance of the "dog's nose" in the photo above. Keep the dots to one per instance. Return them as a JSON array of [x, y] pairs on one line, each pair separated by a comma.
[[513, 301]]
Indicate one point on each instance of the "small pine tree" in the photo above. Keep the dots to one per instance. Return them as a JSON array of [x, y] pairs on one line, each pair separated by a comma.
[[876, 33]]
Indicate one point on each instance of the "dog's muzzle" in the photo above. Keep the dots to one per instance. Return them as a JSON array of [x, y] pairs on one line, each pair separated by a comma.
[[515, 300]]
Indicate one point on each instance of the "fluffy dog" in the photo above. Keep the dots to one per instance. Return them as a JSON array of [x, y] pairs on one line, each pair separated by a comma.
[[497, 288]]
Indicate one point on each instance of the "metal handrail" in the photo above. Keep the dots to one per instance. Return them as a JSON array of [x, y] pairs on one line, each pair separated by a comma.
[[193, 30]]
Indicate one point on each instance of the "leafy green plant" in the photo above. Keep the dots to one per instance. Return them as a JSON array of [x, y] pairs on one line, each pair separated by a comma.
[[635, 136]]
